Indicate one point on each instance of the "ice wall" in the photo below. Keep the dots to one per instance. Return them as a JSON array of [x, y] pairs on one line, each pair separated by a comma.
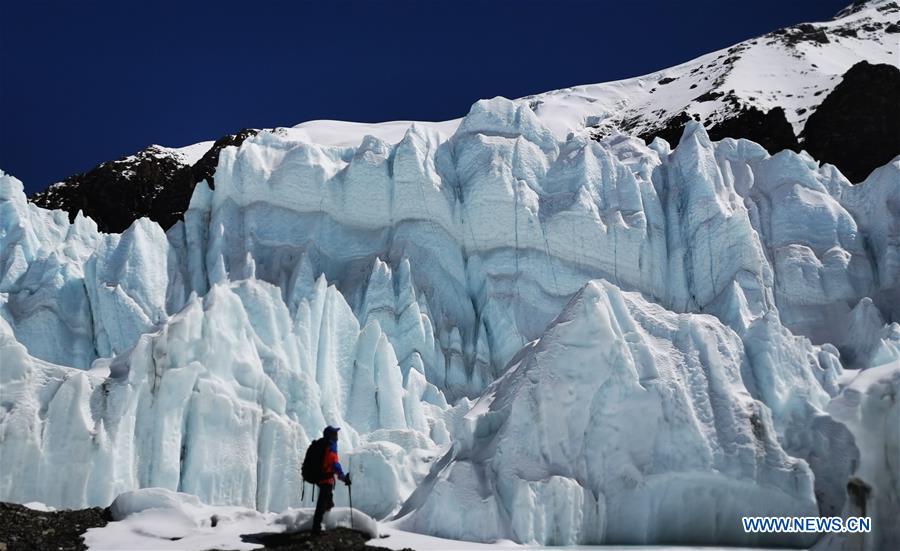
[[870, 408], [606, 428], [500, 224], [220, 401]]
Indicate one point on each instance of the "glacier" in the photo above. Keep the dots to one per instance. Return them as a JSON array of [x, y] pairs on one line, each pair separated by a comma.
[[564, 339], [677, 425]]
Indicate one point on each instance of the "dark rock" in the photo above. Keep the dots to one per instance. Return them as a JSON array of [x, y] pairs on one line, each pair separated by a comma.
[[771, 129], [149, 183], [857, 125], [665, 80], [117, 193], [805, 32], [846, 32], [708, 96], [338, 539], [670, 131], [23, 529], [206, 166]]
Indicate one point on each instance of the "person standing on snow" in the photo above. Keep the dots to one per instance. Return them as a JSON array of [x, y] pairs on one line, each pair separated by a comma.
[[331, 467]]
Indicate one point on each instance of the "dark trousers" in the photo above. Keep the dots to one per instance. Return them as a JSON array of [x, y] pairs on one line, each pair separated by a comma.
[[323, 505]]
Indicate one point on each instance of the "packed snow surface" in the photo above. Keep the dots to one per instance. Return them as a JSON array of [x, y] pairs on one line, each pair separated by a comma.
[[156, 518], [525, 334]]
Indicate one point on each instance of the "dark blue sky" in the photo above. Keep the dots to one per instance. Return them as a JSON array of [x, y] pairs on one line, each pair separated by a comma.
[[85, 82]]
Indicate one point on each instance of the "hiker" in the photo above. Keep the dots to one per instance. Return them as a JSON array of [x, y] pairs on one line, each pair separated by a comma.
[[331, 467]]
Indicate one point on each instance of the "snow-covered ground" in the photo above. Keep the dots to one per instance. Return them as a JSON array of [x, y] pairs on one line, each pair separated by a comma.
[[159, 519], [351, 134]]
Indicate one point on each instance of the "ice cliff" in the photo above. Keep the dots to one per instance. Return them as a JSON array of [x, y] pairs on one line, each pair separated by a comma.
[[636, 326], [602, 431]]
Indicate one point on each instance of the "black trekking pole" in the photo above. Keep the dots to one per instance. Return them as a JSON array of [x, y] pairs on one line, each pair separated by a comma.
[[350, 488], [350, 492]]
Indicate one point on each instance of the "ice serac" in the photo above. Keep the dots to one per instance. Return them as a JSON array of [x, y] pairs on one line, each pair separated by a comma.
[[499, 225], [603, 429], [870, 408], [42, 293], [217, 403], [504, 226], [876, 207], [72, 294], [706, 215]]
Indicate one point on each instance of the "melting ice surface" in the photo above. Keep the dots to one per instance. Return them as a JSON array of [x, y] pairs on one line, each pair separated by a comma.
[[524, 338]]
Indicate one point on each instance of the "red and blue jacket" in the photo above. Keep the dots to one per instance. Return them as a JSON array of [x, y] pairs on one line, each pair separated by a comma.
[[331, 465]]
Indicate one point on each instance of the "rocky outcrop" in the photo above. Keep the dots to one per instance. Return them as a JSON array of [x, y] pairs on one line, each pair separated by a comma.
[[857, 126], [771, 130], [116, 193], [154, 182], [206, 166]]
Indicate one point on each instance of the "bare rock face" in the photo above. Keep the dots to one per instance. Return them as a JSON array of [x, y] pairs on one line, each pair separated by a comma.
[[770, 130], [154, 182], [205, 168], [857, 126]]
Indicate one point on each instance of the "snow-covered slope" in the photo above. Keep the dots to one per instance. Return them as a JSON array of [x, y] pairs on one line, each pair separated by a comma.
[[792, 69], [774, 82]]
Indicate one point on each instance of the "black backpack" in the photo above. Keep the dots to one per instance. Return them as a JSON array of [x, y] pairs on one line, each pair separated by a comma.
[[312, 463]]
